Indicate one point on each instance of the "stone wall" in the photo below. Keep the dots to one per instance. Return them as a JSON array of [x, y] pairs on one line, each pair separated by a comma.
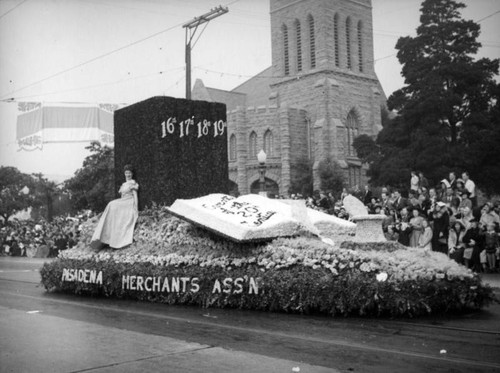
[[289, 127]]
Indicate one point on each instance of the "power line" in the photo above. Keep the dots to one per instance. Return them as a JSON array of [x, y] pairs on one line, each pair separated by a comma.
[[95, 85], [95, 58], [7, 12], [488, 16], [92, 60]]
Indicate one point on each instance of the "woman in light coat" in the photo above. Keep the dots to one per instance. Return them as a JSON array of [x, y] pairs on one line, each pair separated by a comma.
[[425, 239]]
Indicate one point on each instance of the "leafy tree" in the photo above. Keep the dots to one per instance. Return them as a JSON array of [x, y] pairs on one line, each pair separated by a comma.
[[482, 139], [302, 178], [92, 187], [445, 107], [44, 193], [16, 192], [366, 148], [331, 176]]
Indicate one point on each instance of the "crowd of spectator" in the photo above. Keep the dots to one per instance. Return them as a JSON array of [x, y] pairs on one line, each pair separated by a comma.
[[444, 218], [40, 238]]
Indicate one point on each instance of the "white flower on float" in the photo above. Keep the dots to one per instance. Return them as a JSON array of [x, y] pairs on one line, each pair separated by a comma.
[[381, 277]]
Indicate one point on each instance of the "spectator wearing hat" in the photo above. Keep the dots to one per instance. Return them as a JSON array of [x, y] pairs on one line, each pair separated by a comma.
[[473, 240], [440, 229], [488, 216], [464, 199], [460, 184], [456, 241], [416, 227], [444, 185]]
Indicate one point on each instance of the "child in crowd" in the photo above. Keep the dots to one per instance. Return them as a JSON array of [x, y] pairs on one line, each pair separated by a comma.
[[491, 243]]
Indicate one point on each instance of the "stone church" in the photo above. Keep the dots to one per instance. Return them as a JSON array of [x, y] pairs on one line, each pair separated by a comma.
[[319, 94]]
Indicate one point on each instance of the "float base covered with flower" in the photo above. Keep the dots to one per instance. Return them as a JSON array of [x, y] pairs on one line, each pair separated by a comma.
[[175, 262]]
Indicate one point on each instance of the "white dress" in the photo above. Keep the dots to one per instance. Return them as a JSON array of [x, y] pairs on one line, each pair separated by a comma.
[[116, 226]]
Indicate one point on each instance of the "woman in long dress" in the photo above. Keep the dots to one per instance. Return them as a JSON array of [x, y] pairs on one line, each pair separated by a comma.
[[116, 226], [416, 227]]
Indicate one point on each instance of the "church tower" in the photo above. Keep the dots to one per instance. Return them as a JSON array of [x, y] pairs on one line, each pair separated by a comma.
[[322, 60]]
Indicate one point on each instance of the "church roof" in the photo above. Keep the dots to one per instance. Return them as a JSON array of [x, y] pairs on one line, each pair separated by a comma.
[[258, 88], [231, 99], [254, 92]]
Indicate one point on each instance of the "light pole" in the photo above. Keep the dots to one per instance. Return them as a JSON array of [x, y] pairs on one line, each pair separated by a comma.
[[261, 157]]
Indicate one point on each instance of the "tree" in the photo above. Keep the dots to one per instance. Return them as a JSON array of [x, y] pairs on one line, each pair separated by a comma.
[[366, 148], [446, 99], [92, 187], [44, 193], [302, 178], [16, 192], [331, 176]]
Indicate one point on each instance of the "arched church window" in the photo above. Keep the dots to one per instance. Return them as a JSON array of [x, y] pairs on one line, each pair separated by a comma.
[[253, 146], [298, 41], [352, 125], [348, 42], [336, 39], [269, 143], [232, 148], [286, 52], [312, 41], [360, 45]]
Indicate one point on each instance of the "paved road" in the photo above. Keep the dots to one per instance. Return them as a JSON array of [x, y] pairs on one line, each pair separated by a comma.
[[45, 332]]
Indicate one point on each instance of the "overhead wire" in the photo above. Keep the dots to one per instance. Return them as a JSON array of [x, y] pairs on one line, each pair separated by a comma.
[[10, 10], [5, 96], [158, 33], [91, 60], [488, 16], [96, 85]]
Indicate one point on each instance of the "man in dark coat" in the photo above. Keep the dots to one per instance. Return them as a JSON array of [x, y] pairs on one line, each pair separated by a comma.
[[399, 201], [403, 228], [367, 196], [441, 226], [474, 238]]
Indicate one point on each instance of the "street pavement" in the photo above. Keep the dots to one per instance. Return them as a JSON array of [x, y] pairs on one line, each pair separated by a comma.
[[46, 332]]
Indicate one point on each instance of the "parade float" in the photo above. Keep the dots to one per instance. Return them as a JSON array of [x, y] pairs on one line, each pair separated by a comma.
[[286, 264], [196, 245]]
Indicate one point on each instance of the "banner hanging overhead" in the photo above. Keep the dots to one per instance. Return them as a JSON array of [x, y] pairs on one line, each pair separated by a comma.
[[40, 123]]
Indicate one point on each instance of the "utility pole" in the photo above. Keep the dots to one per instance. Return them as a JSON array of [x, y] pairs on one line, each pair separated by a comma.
[[189, 26]]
